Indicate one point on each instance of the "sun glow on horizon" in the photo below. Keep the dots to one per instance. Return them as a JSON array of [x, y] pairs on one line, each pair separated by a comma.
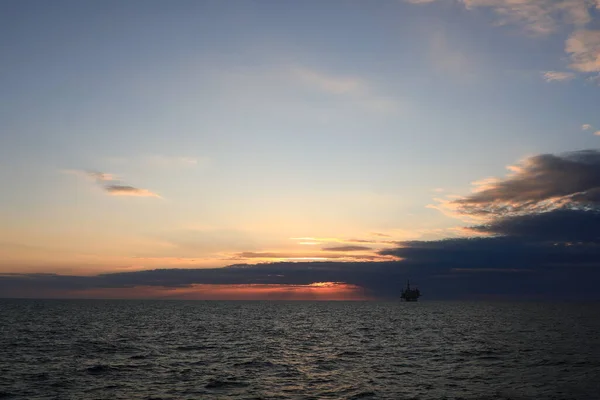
[[312, 291]]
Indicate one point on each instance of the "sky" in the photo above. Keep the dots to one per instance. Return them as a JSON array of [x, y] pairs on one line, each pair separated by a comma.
[[327, 150]]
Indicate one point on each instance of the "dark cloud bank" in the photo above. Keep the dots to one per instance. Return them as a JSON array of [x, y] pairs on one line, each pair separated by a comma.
[[542, 242]]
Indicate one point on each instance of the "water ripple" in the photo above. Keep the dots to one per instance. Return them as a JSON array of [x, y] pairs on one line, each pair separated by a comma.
[[142, 350]]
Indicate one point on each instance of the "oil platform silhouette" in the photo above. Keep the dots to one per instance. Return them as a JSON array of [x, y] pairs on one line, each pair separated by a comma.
[[409, 294]]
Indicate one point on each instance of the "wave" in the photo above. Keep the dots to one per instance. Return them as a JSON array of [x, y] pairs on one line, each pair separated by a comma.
[[255, 363], [362, 395], [220, 384], [100, 369]]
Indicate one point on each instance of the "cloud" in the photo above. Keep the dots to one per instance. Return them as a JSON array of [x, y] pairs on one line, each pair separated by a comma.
[[537, 16], [122, 190], [540, 183], [544, 17], [583, 47], [540, 228], [542, 221], [597, 133], [315, 256], [275, 255], [501, 253], [553, 252], [448, 58], [439, 268], [320, 240], [379, 234], [586, 127], [563, 225], [313, 92], [110, 184], [347, 248], [540, 17], [91, 175], [330, 83], [381, 279], [551, 243], [313, 291], [355, 89], [275, 274], [557, 76], [529, 250], [162, 161], [100, 176], [351, 241]]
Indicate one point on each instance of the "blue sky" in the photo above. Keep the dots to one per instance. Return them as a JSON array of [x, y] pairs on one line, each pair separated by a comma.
[[147, 134]]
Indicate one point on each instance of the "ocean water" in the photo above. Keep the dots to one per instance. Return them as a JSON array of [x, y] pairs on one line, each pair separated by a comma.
[[96, 349]]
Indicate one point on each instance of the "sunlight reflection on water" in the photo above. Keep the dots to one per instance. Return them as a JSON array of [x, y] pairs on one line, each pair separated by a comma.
[[185, 349]]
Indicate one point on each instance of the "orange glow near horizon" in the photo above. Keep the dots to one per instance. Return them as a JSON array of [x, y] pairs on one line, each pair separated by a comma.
[[313, 291]]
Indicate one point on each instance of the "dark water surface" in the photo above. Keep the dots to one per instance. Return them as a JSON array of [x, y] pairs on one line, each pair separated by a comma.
[[94, 349]]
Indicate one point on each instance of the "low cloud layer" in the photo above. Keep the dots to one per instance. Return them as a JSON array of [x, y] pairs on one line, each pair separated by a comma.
[[558, 226], [542, 221], [347, 248]]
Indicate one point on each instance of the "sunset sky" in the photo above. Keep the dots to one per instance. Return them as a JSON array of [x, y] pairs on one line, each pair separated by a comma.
[[138, 135]]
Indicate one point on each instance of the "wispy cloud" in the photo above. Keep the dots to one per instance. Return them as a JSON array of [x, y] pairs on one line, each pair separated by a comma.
[[172, 161], [449, 59], [330, 83], [586, 127], [317, 255], [273, 255], [544, 17], [328, 240], [298, 87], [597, 133], [379, 234], [100, 176], [346, 248], [123, 190], [292, 256], [540, 17], [557, 76], [111, 185], [353, 88], [91, 175], [319, 239], [161, 161]]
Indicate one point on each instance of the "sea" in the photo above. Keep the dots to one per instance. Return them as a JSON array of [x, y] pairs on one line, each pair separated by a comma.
[[136, 349]]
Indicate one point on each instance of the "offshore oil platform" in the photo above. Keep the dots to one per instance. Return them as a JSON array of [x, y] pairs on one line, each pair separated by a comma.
[[409, 294]]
